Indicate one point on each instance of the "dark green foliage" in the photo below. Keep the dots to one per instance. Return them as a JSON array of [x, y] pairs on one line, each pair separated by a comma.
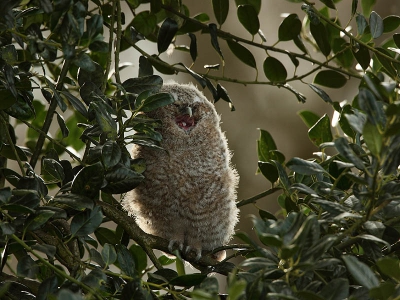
[[337, 234]]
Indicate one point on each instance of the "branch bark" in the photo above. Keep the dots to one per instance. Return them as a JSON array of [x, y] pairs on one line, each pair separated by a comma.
[[205, 264]]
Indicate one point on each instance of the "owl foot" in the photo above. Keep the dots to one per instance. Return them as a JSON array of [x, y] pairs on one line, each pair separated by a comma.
[[196, 250], [172, 243]]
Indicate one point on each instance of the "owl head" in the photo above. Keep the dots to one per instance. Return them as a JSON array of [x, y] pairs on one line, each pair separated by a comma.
[[190, 116]]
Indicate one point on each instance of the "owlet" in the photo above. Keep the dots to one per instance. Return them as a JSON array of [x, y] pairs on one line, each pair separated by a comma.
[[189, 192]]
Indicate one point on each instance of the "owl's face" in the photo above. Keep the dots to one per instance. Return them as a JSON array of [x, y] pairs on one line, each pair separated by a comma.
[[189, 115]]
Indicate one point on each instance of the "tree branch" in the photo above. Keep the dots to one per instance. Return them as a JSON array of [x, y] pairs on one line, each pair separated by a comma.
[[148, 242], [228, 36]]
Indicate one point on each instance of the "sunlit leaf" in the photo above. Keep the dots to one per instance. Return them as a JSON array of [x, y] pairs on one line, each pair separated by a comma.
[[376, 25]]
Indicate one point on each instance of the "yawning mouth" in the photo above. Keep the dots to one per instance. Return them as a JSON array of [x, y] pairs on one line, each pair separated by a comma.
[[185, 122]]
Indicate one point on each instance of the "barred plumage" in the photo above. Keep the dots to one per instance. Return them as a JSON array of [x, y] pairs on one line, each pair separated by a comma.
[[189, 193]]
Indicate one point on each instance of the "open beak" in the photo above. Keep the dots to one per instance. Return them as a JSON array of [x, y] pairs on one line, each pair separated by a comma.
[[187, 111]]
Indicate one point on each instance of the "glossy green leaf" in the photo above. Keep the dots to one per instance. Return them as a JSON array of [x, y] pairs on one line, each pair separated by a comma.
[[223, 94], [155, 101], [248, 17], [265, 144], [373, 139], [300, 97], [61, 123], [37, 220], [8, 152], [391, 23], [255, 3], [367, 6], [145, 23], [214, 39], [48, 288], [87, 222], [88, 180], [76, 103], [360, 272], [188, 280], [200, 79], [121, 180], [139, 256], [373, 108], [362, 56], [8, 99], [193, 46], [308, 117], [66, 294], [320, 35], [305, 167], [126, 262], [274, 70], [348, 153], [330, 78], [166, 34], [27, 267], [108, 254], [102, 113], [388, 66], [337, 289], [344, 55], [110, 154], [354, 5], [268, 170], [144, 83], [53, 168], [97, 76], [376, 25], [84, 62], [329, 3], [290, 28], [299, 43], [390, 267], [324, 96], [320, 132], [145, 68], [242, 53], [74, 201], [221, 9]]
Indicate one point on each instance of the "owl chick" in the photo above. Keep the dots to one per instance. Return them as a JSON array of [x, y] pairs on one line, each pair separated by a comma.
[[189, 192]]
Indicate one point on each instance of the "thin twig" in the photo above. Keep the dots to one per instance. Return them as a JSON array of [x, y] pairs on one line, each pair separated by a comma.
[[49, 115], [257, 197]]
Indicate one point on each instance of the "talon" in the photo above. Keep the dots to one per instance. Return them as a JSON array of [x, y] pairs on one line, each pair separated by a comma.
[[171, 246], [187, 249], [198, 254]]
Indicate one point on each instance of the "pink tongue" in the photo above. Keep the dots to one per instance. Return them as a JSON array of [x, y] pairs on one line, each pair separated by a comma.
[[185, 121]]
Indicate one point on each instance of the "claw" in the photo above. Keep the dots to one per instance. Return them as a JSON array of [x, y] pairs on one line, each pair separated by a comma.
[[198, 254], [171, 246], [187, 249]]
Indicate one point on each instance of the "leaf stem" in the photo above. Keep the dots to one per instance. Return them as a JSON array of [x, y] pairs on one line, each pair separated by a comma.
[[257, 197]]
